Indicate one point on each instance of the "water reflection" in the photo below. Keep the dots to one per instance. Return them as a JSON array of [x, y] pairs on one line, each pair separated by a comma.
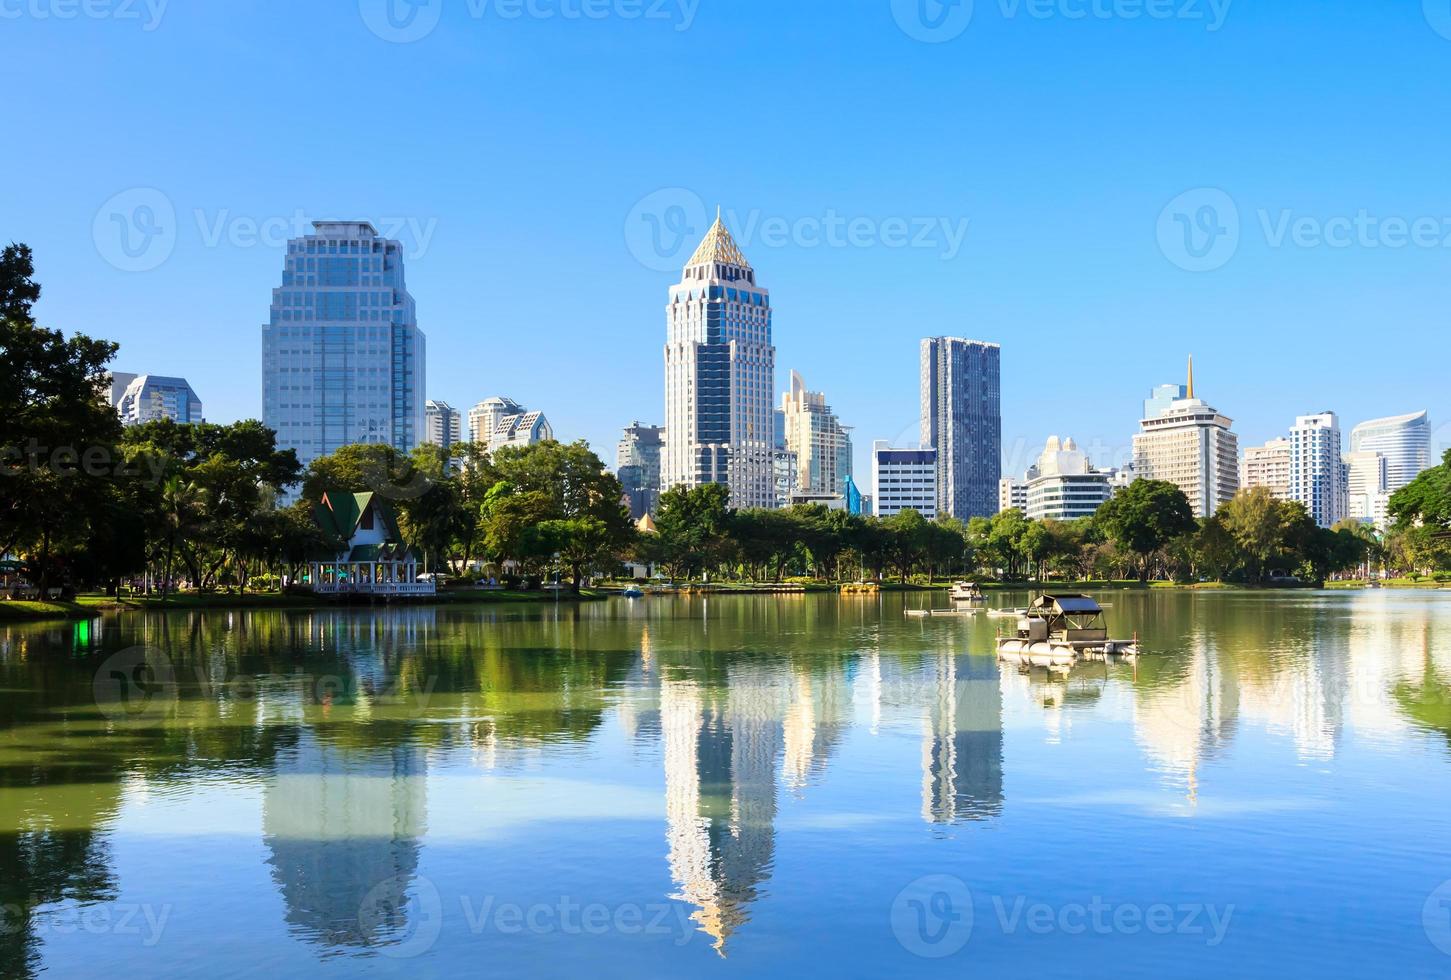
[[749, 707]]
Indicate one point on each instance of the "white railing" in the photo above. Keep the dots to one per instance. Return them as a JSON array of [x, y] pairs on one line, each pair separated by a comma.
[[376, 588]]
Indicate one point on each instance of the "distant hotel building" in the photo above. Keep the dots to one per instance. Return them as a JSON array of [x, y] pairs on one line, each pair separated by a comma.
[[720, 370], [637, 464], [962, 420], [1190, 445], [1405, 442], [903, 479], [343, 360], [1366, 498], [817, 437], [1013, 493], [442, 424], [1267, 466], [1161, 398], [148, 397], [497, 422], [1065, 485], [1317, 473]]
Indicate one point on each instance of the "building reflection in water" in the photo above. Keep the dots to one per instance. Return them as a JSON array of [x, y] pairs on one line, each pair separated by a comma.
[[342, 825], [962, 740], [720, 791]]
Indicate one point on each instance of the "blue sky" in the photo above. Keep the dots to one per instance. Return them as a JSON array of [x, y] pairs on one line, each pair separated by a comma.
[[522, 159]]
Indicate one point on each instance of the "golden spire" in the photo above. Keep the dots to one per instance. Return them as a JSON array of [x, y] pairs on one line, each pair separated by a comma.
[[718, 246], [1191, 377]]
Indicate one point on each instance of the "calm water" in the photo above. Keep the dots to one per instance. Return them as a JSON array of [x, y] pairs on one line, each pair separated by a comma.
[[729, 787]]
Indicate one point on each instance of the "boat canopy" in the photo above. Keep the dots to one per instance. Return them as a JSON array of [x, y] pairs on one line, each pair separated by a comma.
[[1066, 605]]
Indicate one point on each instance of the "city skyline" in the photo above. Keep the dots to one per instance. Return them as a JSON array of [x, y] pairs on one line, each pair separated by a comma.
[[491, 206]]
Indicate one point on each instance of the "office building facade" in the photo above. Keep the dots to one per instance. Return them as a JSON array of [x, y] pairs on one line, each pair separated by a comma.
[[1065, 485], [1404, 441], [961, 395], [637, 464], [149, 397], [903, 479], [442, 424], [1191, 445], [822, 445], [1317, 473], [343, 360]]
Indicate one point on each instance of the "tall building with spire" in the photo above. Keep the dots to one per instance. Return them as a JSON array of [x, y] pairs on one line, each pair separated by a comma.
[[1190, 445], [720, 370]]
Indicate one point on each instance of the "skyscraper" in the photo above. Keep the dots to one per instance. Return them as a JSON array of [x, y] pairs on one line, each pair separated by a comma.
[[1405, 442], [499, 421], [442, 424], [817, 437], [637, 464], [962, 420], [720, 371], [1317, 473], [342, 355], [1366, 497], [1190, 445], [148, 397]]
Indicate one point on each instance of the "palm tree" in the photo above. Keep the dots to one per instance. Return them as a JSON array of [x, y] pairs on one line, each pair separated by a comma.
[[180, 511]]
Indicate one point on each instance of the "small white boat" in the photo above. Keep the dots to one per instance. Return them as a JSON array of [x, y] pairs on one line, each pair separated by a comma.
[[1008, 613], [966, 592]]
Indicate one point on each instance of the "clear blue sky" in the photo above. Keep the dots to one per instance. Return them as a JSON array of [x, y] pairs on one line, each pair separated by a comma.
[[526, 145]]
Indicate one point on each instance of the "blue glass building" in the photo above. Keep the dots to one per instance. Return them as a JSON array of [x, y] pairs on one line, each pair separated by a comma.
[[342, 355]]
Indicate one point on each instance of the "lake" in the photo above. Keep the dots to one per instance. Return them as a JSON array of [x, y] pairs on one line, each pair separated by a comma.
[[729, 786]]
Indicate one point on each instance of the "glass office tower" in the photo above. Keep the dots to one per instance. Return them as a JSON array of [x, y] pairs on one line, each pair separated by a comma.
[[342, 356]]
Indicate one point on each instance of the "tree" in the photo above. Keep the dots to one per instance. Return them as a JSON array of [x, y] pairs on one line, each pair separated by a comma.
[[1257, 522], [1426, 500], [1144, 517], [692, 524], [58, 431]]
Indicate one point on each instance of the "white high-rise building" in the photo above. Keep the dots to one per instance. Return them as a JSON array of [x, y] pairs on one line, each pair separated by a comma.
[[1317, 474], [961, 391], [1012, 494], [720, 370], [499, 421], [149, 397], [442, 424], [1190, 445], [1065, 485], [1267, 466], [903, 479], [1366, 499], [343, 360], [821, 443], [485, 416], [1405, 442]]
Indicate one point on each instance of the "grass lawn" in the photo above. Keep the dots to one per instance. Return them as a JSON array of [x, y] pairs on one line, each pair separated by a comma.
[[87, 606]]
